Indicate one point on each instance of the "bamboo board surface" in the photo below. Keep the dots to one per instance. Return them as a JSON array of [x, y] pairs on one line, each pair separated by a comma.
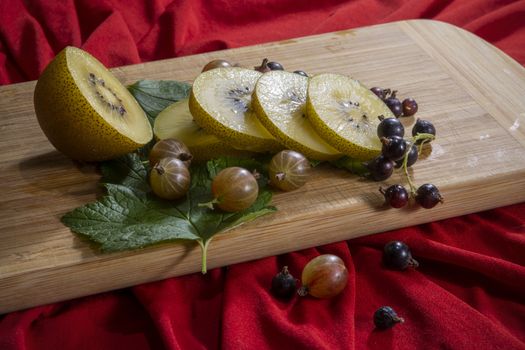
[[471, 91]]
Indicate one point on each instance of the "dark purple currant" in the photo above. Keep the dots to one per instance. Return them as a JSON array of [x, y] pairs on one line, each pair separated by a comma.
[[379, 92], [301, 72], [409, 107], [283, 284], [395, 105], [413, 154], [390, 127], [428, 196], [385, 317], [423, 127], [275, 66], [380, 168], [394, 147], [396, 196], [397, 255]]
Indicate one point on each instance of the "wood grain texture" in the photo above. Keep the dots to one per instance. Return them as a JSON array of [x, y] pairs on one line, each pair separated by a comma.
[[471, 91]]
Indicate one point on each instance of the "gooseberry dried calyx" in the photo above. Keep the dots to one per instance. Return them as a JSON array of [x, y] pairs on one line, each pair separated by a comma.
[[170, 178], [324, 277], [170, 148], [284, 284], [289, 170]]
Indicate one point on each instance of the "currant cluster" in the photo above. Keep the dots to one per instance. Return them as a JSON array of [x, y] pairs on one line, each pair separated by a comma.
[[407, 108], [398, 152]]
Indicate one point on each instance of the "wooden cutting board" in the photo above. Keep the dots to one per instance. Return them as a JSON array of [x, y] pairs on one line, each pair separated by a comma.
[[471, 91]]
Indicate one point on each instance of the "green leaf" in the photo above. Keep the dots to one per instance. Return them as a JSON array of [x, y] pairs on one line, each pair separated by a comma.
[[128, 170], [131, 217], [155, 95], [353, 165], [128, 219]]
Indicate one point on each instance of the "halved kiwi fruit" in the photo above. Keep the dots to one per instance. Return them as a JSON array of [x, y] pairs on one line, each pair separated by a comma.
[[220, 103], [176, 122], [84, 110]]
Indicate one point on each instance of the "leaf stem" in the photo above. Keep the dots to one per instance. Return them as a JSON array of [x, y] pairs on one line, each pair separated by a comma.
[[204, 250]]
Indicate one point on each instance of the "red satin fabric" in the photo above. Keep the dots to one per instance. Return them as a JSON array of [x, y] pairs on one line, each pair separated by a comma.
[[468, 293]]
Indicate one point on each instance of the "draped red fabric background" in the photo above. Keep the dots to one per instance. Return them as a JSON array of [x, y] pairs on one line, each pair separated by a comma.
[[469, 292]]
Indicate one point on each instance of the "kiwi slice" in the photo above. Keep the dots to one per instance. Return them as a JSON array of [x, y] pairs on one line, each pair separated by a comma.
[[176, 122], [220, 102], [84, 110], [346, 114], [279, 101]]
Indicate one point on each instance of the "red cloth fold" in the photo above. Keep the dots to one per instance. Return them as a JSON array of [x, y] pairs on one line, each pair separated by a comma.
[[468, 293]]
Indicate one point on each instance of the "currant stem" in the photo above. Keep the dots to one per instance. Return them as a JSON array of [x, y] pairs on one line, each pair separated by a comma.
[[425, 138], [398, 319], [413, 262], [413, 188], [419, 136]]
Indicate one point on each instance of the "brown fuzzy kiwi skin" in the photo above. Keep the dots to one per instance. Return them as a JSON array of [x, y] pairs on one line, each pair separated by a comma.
[[69, 121]]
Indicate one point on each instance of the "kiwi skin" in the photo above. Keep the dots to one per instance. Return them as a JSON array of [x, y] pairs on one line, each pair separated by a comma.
[[70, 122]]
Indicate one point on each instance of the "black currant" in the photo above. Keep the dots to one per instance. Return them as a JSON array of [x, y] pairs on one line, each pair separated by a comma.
[[423, 127], [428, 196], [275, 66], [301, 72], [413, 154], [385, 317], [390, 127], [409, 107], [395, 106], [283, 284], [394, 147], [396, 196], [379, 92], [397, 255], [380, 168]]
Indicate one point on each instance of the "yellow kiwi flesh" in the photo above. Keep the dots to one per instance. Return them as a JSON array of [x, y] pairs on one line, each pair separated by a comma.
[[84, 110], [220, 102], [279, 101], [346, 114], [176, 122]]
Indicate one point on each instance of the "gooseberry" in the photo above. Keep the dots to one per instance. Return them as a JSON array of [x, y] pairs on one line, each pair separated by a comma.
[[289, 170], [234, 189], [170, 148], [170, 178], [324, 277]]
